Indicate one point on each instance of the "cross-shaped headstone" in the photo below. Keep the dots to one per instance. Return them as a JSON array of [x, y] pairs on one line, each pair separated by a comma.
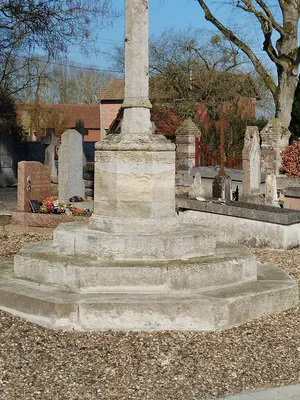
[[47, 139], [81, 129]]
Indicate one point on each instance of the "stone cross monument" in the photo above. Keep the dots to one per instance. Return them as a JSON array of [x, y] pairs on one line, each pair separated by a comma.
[[134, 181], [134, 265]]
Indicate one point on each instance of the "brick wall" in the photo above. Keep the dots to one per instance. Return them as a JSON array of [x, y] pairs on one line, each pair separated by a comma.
[[109, 113], [93, 136]]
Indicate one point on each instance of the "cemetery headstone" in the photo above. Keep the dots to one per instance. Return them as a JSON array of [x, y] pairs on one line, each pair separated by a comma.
[[7, 168], [50, 155], [48, 137], [222, 188], [34, 183], [196, 191], [251, 162], [70, 179], [83, 132]]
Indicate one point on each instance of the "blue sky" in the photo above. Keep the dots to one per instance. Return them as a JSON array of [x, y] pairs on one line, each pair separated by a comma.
[[180, 14], [162, 14]]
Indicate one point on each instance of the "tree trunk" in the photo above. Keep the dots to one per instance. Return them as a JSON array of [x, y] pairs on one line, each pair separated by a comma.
[[285, 96], [287, 66]]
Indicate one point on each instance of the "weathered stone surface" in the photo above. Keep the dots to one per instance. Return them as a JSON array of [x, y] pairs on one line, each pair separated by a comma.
[[242, 210], [271, 197], [134, 266], [34, 183], [181, 242], [237, 225], [185, 145], [135, 182], [70, 180], [206, 310], [136, 118], [274, 139], [184, 178], [40, 263]]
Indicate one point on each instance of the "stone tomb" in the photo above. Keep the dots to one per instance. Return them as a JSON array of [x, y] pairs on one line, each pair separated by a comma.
[[135, 266], [34, 183]]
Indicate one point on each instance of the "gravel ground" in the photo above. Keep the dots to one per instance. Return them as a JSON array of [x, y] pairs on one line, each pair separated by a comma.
[[36, 363]]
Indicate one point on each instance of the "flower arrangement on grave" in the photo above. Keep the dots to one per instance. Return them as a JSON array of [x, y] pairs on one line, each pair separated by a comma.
[[80, 211], [52, 205]]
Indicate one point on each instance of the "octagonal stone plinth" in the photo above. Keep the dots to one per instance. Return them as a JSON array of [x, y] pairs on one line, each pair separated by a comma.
[[39, 263], [182, 243], [214, 309], [134, 180]]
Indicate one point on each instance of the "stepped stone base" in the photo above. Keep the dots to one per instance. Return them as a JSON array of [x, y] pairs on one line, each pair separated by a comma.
[[182, 242], [38, 262], [208, 309]]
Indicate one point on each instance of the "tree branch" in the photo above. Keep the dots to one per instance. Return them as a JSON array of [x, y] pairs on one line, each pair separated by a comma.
[[270, 16], [267, 78]]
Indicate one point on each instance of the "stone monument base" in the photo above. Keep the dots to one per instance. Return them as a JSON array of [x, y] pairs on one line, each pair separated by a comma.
[[211, 292], [135, 265]]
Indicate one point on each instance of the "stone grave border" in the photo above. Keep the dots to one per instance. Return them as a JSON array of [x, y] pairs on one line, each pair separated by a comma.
[[252, 225]]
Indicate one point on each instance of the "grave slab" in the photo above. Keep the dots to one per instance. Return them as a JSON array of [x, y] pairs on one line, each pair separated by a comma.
[[34, 183]]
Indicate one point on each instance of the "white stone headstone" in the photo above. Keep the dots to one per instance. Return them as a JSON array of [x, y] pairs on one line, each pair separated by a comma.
[[251, 161], [70, 179]]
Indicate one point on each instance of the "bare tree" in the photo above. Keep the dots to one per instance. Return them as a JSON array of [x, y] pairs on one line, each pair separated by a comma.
[[77, 84], [196, 66], [50, 26], [278, 21], [198, 72]]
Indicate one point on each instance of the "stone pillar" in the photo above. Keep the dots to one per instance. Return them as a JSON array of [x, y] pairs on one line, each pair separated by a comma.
[[134, 170], [271, 197], [186, 135], [136, 105], [275, 138], [251, 162]]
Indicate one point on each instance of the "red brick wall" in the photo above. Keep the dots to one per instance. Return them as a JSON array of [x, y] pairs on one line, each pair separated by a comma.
[[93, 136], [109, 113]]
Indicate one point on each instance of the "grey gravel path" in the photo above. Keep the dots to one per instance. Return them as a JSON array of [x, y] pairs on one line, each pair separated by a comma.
[[291, 392]]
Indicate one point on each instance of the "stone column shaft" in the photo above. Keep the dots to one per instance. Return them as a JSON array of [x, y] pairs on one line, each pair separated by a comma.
[[136, 104]]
